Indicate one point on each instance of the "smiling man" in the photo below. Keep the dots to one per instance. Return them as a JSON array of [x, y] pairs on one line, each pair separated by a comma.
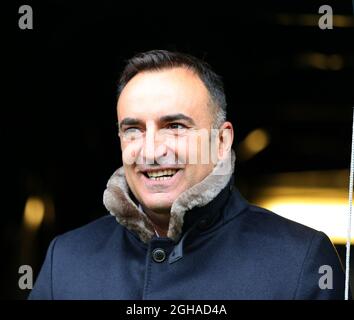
[[162, 112], [178, 228]]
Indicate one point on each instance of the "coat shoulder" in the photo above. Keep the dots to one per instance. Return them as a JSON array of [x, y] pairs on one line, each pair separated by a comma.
[[270, 224], [278, 219], [260, 224], [90, 236], [295, 252], [275, 233]]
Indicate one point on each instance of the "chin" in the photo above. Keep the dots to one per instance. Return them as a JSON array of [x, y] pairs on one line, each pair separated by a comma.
[[158, 202]]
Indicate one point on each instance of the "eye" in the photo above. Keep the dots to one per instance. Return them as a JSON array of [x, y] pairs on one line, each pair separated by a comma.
[[131, 130], [176, 126], [132, 133]]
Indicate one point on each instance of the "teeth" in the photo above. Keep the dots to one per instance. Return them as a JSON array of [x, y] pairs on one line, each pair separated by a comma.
[[159, 175], [159, 178]]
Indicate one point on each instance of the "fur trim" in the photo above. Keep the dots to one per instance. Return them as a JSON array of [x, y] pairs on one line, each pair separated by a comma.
[[118, 202]]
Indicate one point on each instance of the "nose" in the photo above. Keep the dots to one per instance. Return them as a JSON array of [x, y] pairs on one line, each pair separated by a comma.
[[154, 146]]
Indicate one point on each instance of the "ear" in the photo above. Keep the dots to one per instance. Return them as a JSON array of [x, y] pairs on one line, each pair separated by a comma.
[[226, 138]]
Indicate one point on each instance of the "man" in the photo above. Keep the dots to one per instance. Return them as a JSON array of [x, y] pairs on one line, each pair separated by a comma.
[[178, 228]]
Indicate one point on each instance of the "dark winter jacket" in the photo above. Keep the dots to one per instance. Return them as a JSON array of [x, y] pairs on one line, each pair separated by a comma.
[[218, 246]]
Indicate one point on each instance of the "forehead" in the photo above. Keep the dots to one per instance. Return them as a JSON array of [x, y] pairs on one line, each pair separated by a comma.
[[155, 93]]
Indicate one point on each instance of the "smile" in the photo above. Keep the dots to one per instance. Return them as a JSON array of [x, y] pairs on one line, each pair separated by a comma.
[[161, 174], [161, 177]]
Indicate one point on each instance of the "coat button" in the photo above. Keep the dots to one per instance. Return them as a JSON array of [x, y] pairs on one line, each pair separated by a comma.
[[158, 255]]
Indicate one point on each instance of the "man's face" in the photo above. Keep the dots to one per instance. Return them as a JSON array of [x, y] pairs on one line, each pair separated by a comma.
[[158, 113]]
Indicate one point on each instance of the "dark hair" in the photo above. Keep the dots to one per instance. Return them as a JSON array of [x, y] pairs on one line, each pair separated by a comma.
[[161, 59]]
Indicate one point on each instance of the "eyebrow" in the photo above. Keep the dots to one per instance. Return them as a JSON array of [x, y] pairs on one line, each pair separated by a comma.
[[177, 116], [168, 118], [129, 122]]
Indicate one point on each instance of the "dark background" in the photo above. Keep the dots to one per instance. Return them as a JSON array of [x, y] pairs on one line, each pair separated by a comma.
[[58, 124]]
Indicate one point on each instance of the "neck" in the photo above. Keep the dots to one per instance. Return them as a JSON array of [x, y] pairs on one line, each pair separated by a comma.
[[160, 221]]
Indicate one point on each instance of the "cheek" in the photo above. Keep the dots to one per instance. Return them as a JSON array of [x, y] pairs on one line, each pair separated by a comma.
[[199, 147], [182, 149], [129, 175], [191, 150], [130, 152]]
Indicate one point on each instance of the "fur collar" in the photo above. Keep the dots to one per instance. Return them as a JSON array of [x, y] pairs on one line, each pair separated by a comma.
[[118, 202]]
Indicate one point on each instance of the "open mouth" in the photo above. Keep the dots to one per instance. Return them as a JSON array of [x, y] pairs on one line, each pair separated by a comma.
[[161, 174]]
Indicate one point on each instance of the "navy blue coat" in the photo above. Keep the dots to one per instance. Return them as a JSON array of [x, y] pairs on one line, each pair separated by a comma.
[[229, 249]]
